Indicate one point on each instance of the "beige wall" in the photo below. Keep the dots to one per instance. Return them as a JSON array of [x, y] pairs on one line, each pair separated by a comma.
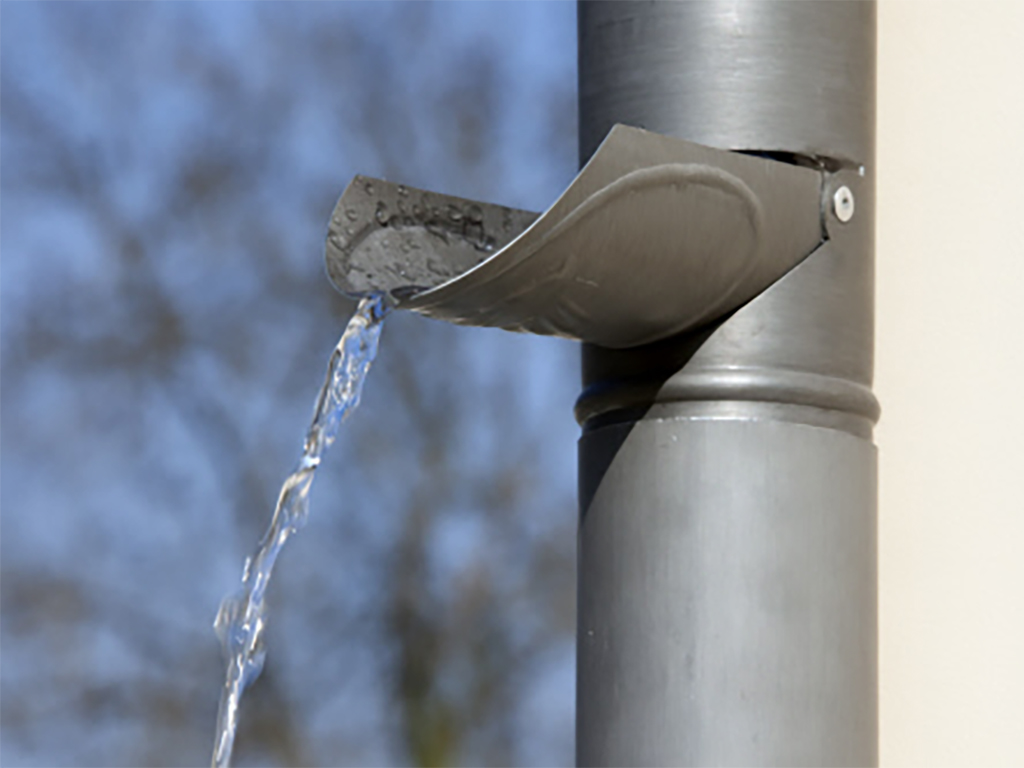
[[950, 375]]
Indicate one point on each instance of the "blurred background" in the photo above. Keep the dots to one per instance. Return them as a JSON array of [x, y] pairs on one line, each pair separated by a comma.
[[168, 172], [167, 175]]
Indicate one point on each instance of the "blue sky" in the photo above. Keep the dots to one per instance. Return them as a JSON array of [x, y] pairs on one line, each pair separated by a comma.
[[104, 483]]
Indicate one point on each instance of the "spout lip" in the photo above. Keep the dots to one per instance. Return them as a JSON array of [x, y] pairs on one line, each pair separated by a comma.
[[654, 236], [419, 298], [402, 241]]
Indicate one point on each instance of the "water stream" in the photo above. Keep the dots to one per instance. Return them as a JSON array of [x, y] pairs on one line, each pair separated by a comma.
[[242, 616]]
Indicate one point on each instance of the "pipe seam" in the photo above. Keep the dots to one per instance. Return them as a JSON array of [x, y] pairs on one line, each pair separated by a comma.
[[781, 386]]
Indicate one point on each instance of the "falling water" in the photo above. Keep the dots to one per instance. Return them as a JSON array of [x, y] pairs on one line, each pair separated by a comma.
[[242, 616]]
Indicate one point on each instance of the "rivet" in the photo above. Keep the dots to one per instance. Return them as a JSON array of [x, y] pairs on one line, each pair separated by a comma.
[[842, 204]]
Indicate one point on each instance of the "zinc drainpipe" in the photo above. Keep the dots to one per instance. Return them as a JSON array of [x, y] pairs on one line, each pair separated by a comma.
[[727, 610]]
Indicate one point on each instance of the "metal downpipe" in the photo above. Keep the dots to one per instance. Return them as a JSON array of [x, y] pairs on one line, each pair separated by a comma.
[[727, 552]]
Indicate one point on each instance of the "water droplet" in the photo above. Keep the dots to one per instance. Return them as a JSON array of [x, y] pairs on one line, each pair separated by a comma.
[[336, 240], [349, 231], [351, 214], [489, 243], [382, 213], [368, 187], [402, 190], [474, 214], [454, 213], [418, 212]]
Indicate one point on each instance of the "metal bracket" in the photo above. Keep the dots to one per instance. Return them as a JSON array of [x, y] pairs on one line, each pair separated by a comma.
[[653, 237]]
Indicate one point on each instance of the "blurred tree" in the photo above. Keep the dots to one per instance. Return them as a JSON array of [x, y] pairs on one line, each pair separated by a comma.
[[167, 175]]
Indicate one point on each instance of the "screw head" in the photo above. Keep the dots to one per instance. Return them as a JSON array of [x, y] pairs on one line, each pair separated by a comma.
[[842, 204]]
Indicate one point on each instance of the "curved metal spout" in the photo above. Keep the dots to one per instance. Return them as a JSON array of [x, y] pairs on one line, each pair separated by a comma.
[[655, 236]]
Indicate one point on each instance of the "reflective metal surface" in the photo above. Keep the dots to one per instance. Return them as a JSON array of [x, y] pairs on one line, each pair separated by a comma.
[[727, 555], [727, 595], [787, 75], [654, 236]]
